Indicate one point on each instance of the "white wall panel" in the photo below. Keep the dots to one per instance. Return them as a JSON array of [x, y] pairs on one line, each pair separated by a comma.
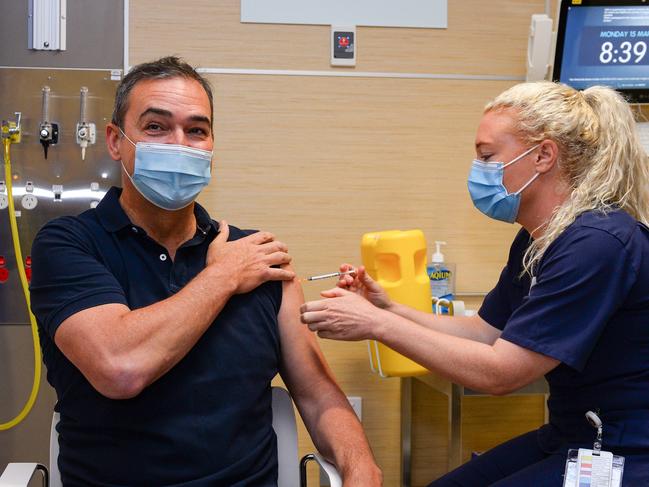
[[381, 13]]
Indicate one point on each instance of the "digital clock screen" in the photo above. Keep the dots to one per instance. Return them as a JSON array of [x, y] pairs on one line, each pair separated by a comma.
[[606, 45], [602, 47]]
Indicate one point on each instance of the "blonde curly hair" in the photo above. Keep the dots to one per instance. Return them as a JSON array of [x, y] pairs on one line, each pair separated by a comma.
[[600, 155]]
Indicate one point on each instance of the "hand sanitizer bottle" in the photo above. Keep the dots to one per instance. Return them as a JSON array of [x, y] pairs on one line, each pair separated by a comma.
[[441, 275]]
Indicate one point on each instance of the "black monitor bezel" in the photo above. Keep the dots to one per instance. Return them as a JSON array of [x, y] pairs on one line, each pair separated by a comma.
[[640, 95]]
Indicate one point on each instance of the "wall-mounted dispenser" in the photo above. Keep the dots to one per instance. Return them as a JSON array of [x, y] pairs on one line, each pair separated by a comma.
[[539, 48]]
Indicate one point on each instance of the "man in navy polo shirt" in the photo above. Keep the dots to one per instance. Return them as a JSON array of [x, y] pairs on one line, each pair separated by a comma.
[[161, 329]]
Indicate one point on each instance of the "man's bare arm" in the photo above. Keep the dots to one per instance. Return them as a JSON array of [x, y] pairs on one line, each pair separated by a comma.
[[332, 423]]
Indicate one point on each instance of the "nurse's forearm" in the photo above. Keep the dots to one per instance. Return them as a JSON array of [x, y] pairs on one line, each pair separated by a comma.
[[471, 327], [475, 365]]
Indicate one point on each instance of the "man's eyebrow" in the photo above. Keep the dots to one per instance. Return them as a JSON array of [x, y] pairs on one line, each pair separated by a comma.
[[200, 118], [167, 114], [156, 111]]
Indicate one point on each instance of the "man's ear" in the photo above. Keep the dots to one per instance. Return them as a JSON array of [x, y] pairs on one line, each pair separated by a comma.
[[113, 141], [547, 156]]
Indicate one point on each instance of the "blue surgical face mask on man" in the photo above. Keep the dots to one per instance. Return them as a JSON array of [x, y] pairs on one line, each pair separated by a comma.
[[488, 191], [169, 176]]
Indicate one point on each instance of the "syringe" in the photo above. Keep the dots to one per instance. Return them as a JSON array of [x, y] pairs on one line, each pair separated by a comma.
[[331, 274]]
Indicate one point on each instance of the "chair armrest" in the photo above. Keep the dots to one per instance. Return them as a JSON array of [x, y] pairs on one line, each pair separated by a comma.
[[19, 474], [325, 466], [330, 470]]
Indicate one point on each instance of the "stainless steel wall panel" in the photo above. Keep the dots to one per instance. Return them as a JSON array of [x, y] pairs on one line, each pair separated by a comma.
[[20, 90]]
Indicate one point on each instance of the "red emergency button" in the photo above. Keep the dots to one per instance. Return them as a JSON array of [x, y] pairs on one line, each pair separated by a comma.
[[4, 275], [28, 268]]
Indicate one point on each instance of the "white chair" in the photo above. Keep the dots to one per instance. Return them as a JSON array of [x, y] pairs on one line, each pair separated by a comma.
[[291, 473], [287, 457]]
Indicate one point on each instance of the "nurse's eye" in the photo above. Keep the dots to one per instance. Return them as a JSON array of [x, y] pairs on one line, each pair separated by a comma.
[[485, 157]]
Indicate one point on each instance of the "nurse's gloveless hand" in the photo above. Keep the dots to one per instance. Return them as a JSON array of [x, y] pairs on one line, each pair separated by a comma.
[[361, 283], [343, 315]]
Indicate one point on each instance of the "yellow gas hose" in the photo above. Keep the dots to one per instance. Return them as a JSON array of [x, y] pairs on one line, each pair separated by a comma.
[[6, 143]]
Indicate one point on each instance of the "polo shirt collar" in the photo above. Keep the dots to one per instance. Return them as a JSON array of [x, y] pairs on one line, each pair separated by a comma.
[[113, 217], [111, 214], [204, 223]]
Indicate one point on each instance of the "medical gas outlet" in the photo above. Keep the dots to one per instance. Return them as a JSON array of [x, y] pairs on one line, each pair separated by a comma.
[[86, 131], [12, 130], [48, 131]]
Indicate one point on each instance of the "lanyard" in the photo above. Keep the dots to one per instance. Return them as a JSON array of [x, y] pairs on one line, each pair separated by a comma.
[[595, 422]]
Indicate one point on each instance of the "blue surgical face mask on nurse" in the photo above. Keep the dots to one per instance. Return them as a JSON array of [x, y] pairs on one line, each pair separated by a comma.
[[488, 191], [169, 176]]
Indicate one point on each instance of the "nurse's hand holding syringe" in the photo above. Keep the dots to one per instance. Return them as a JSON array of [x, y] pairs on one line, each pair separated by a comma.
[[360, 282], [348, 311]]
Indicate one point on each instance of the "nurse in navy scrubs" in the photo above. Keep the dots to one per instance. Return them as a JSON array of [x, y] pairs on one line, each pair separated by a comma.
[[572, 303]]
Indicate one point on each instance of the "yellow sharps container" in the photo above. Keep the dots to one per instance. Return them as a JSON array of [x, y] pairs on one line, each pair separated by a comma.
[[397, 261]]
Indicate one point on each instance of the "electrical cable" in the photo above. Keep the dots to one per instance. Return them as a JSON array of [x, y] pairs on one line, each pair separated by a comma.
[[6, 142]]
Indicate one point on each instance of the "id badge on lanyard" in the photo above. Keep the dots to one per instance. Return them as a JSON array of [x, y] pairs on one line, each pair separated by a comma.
[[596, 467]]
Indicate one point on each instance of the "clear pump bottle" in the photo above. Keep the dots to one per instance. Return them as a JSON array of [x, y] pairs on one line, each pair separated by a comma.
[[441, 275]]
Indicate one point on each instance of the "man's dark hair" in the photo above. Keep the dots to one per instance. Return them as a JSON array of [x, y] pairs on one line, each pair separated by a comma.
[[163, 68]]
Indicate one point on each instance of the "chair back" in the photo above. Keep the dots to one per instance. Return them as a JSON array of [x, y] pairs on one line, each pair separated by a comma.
[[286, 432], [283, 424], [55, 475]]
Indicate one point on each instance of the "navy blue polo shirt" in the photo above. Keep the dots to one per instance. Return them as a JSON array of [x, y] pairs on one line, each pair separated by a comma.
[[589, 309], [208, 421]]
